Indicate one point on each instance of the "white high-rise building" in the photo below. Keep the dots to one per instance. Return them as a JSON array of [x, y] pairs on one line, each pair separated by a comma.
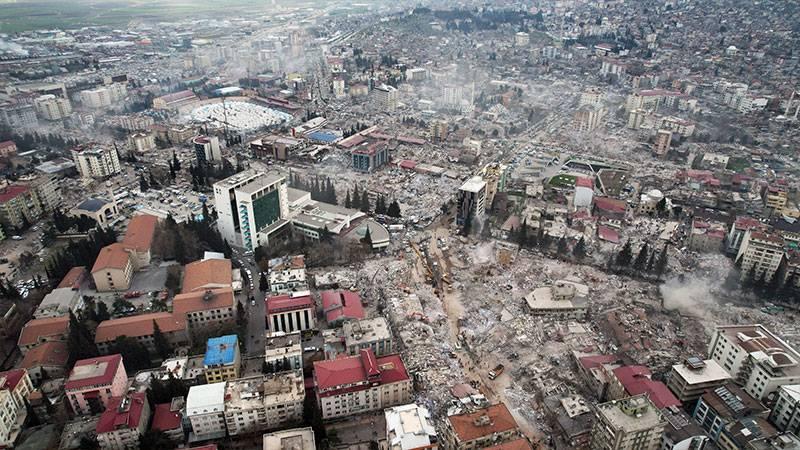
[[50, 107], [385, 97], [251, 207], [471, 200], [96, 161], [205, 409]]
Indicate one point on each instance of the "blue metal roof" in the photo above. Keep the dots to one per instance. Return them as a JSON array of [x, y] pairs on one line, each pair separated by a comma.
[[92, 204], [221, 350], [322, 136]]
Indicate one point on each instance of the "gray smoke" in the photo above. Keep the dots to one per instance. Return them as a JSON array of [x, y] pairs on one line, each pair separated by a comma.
[[12, 47]]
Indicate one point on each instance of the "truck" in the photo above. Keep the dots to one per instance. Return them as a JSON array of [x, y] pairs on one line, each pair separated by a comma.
[[496, 372]]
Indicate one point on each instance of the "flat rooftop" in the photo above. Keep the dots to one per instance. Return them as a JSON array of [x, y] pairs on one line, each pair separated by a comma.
[[258, 184], [294, 439], [646, 416], [710, 372], [474, 184], [366, 330]]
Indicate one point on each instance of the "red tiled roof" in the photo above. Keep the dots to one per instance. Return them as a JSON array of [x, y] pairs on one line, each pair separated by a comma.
[[72, 278], [50, 353], [608, 234], [610, 204], [5, 144], [127, 417], [467, 428], [112, 363], [280, 303], [183, 304], [636, 380], [177, 96], [164, 419], [584, 182], [40, 328], [140, 325], [12, 378], [211, 274], [330, 374], [407, 164], [139, 235], [112, 256], [594, 361], [745, 223], [342, 305], [10, 192], [516, 444]]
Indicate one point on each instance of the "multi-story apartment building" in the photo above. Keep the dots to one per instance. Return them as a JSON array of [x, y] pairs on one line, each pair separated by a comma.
[[295, 311], [18, 383], [483, 428], [588, 118], [786, 412], [123, 422], [96, 161], [103, 97], [207, 274], [50, 107], [471, 201], [93, 382], [373, 334], [113, 269], [19, 205], [205, 310], [284, 351], [18, 116], [206, 149], [718, 409], [264, 402], [689, 380], [8, 149], [142, 141], [738, 231], [228, 221], [287, 274], [295, 439], [141, 328], [223, 359], [356, 384], [409, 427], [760, 254], [263, 209], [205, 411], [385, 97], [628, 424], [10, 423], [757, 359], [37, 331]]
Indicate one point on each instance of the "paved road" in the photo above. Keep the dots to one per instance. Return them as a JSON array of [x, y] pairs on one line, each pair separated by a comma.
[[255, 310]]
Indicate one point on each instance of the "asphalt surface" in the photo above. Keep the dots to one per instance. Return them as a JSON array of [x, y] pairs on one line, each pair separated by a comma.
[[255, 309]]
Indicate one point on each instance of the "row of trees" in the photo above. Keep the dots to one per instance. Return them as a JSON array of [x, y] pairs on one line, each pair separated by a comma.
[[79, 253], [186, 242], [321, 189], [646, 262], [360, 200]]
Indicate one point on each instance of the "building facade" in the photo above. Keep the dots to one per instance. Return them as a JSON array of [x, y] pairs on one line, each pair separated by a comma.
[[471, 201], [96, 161], [291, 312], [633, 423], [760, 254], [483, 428], [123, 422], [222, 359], [374, 334], [786, 412], [93, 382], [264, 402]]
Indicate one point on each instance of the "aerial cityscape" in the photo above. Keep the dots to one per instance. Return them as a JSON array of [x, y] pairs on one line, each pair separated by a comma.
[[408, 225]]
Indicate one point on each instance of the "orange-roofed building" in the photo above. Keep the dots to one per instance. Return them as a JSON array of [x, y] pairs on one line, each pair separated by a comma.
[[41, 330], [204, 309], [139, 239], [73, 278], [207, 274], [124, 422], [48, 357], [141, 328], [492, 425], [516, 444], [93, 382], [113, 269]]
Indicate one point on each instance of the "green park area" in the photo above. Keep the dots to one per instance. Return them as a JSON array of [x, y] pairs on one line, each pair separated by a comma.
[[562, 181]]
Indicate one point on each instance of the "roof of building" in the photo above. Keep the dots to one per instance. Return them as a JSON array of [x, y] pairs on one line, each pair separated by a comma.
[[584, 182], [612, 205], [207, 274], [731, 401], [205, 399], [11, 378], [164, 418], [49, 353], [783, 441], [289, 302], [709, 372], [608, 234], [636, 380], [38, 328], [483, 422], [179, 96], [516, 444], [202, 301], [331, 374], [474, 184], [9, 192], [409, 426], [221, 350], [72, 278], [122, 413], [294, 439], [139, 235], [595, 361], [341, 305], [767, 347], [92, 204], [6, 144], [631, 414], [112, 256], [139, 325], [93, 371]]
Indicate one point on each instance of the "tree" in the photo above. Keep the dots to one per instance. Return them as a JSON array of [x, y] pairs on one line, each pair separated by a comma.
[[640, 263], [367, 239], [163, 348], [625, 255], [522, 234], [155, 440], [121, 306], [579, 251], [661, 206], [263, 283], [175, 163], [661, 262], [134, 353], [241, 315], [144, 186], [347, 202], [102, 312], [393, 210], [80, 343], [562, 248], [363, 204]]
